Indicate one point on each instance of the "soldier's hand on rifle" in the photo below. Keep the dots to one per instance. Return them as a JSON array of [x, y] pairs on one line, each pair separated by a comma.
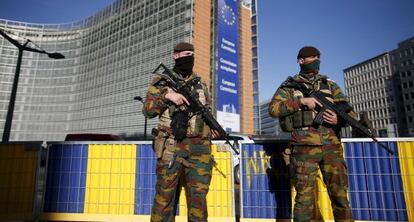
[[310, 102], [176, 98], [215, 134], [330, 117]]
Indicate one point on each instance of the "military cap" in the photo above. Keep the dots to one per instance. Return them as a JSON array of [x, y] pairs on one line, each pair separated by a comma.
[[183, 46], [308, 51]]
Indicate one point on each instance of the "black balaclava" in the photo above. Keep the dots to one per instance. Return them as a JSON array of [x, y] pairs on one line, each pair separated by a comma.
[[184, 65]]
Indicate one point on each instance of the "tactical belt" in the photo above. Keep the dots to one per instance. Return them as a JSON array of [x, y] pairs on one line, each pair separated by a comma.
[[166, 130]]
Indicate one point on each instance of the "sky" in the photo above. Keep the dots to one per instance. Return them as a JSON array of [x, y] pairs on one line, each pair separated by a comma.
[[50, 11], [346, 32]]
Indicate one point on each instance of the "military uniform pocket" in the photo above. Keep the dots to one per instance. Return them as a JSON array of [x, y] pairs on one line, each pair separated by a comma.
[[168, 152], [286, 123], [303, 172], [159, 144]]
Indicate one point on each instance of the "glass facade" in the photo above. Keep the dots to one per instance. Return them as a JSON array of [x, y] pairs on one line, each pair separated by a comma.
[[402, 66], [369, 88], [256, 106], [270, 125], [109, 60]]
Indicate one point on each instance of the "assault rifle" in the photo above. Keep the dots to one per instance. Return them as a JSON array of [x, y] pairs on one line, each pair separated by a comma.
[[184, 88], [326, 104]]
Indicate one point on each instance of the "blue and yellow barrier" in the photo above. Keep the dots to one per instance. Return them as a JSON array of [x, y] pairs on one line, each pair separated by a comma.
[[381, 185], [113, 182]]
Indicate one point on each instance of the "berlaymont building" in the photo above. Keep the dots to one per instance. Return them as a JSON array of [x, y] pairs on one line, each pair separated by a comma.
[[109, 59]]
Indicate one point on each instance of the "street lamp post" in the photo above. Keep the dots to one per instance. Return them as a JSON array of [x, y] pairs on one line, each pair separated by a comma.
[[139, 98], [21, 48]]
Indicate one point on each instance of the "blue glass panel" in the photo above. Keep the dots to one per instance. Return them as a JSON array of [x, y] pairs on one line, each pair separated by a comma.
[[66, 178], [145, 178]]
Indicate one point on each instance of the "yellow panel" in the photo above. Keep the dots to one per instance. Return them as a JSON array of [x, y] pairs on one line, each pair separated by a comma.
[[110, 181], [220, 195], [406, 157], [18, 166], [323, 209]]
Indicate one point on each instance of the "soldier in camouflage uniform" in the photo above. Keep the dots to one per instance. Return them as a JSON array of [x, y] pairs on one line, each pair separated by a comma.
[[182, 144], [313, 146]]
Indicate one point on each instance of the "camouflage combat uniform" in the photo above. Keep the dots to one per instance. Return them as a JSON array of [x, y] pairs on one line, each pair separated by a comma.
[[189, 159], [314, 147]]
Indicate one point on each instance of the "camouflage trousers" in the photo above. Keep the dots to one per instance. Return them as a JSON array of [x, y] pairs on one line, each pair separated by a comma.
[[305, 161], [191, 161]]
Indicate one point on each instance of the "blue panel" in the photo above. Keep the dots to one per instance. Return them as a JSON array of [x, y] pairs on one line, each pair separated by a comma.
[[245, 154], [253, 182], [75, 164], [375, 184], [358, 185], [66, 178], [76, 179], [74, 205], [63, 199], [266, 188], [355, 160], [145, 179], [262, 193]]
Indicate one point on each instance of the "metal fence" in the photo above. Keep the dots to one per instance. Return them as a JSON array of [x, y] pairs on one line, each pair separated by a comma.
[[381, 186], [115, 181]]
